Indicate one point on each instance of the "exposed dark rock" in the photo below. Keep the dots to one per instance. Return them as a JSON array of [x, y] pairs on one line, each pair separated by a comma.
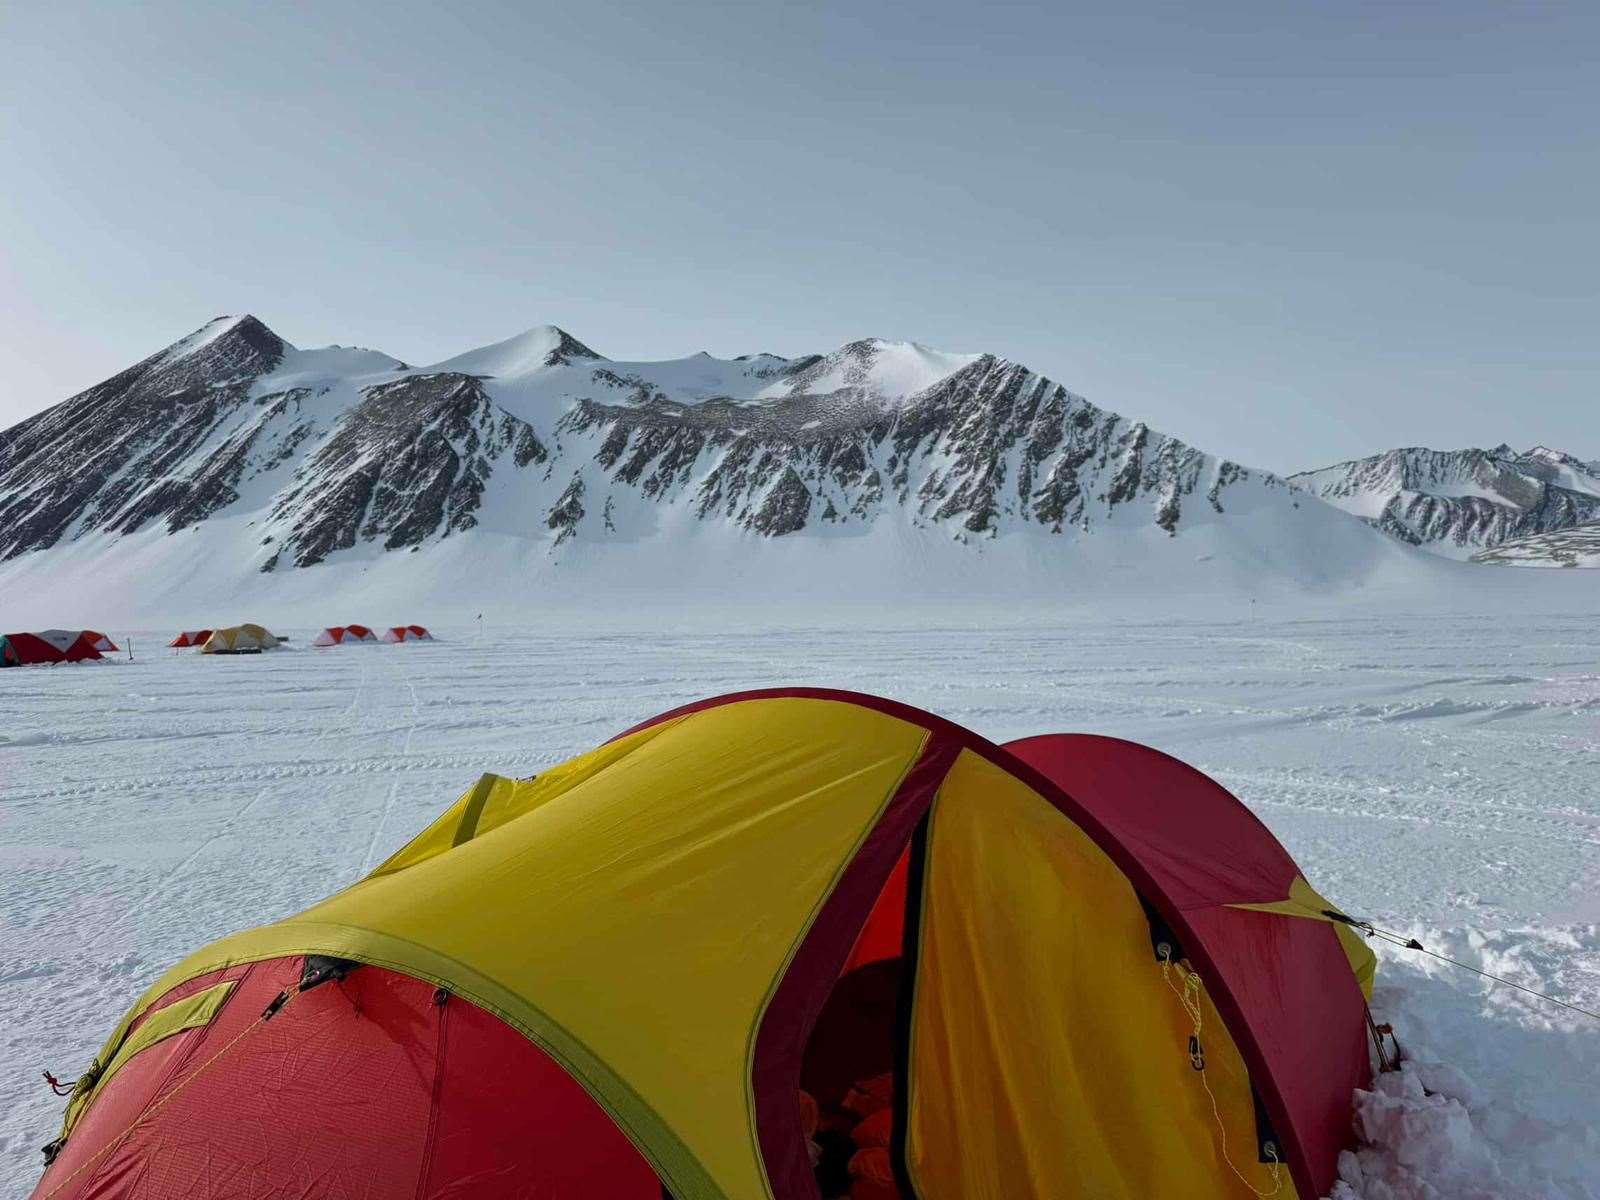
[[567, 511], [409, 462], [132, 449], [785, 509]]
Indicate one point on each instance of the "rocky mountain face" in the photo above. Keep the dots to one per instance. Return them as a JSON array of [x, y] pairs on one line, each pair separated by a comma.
[[167, 439], [1462, 502], [318, 452], [408, 462]]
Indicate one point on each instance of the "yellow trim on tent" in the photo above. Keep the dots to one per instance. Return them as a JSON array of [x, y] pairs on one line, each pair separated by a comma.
[[1305, 901], [191, 1012], [1040, 1005]]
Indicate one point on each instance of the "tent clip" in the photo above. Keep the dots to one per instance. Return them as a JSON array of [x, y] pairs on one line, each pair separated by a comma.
[[1162, 940], [1197, 1056], [320, 968]]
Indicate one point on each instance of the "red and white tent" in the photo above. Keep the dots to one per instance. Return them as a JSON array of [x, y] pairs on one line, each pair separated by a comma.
[[99, 640], [191, 637], [407, 633], [338, 635], [46, 646]]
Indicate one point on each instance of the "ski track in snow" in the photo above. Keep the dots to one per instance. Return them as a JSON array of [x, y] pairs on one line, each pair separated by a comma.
[[1436, 775]]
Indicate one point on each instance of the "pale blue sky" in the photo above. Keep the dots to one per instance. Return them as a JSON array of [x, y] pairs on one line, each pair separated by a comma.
[[1290, 233]]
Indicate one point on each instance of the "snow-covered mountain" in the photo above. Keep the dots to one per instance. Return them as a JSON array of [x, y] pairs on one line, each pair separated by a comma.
[[232, 454], [1576, 546], [1461, 502]]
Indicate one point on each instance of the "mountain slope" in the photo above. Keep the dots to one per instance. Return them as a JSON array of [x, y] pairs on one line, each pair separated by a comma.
[[1575, 546], [1460, 502], [886, 462]]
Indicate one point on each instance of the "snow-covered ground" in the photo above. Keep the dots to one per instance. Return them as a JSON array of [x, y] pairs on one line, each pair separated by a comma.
[[1437, 775]]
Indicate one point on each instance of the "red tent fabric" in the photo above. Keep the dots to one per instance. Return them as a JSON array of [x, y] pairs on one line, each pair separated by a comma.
[[338, 635], [190, 637], [407, 633], [397, 1089], [48, 646], [99, 640]]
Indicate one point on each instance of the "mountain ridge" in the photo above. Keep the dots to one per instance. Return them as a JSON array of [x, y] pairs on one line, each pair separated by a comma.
[[880, 467], [1461, 502], [397, 455]]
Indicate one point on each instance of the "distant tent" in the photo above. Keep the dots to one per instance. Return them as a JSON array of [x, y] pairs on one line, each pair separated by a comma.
[[407, 633], [48, 646], [100, 641], [190, 637], [337, 635], [239, 639]]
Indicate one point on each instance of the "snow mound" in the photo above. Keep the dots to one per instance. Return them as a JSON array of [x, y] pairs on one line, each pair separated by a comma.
[[1483, 1107], [327, 366]]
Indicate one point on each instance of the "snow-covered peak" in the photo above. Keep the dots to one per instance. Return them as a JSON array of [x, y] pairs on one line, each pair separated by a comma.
[[1560, 458], [245, 329], [532, 350], [889, 371]]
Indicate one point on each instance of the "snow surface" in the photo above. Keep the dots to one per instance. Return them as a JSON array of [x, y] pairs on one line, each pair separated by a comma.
[[1434, 774], [664, 561]]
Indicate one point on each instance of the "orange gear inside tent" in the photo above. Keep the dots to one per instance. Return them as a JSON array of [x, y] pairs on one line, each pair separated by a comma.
[[1071, 966]]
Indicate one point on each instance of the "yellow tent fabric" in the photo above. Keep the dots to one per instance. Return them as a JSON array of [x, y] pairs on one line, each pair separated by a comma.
[[239, 639], [1039, 1005], [1304, 901]]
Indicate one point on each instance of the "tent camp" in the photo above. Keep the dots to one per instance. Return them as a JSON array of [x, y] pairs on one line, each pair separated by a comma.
[[338, 635], [47, 646], [239, 639], [407, 633], [1071, 966], [190, 637]]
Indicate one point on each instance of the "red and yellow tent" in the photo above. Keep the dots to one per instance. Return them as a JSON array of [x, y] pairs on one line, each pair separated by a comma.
[[1105, 979]]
